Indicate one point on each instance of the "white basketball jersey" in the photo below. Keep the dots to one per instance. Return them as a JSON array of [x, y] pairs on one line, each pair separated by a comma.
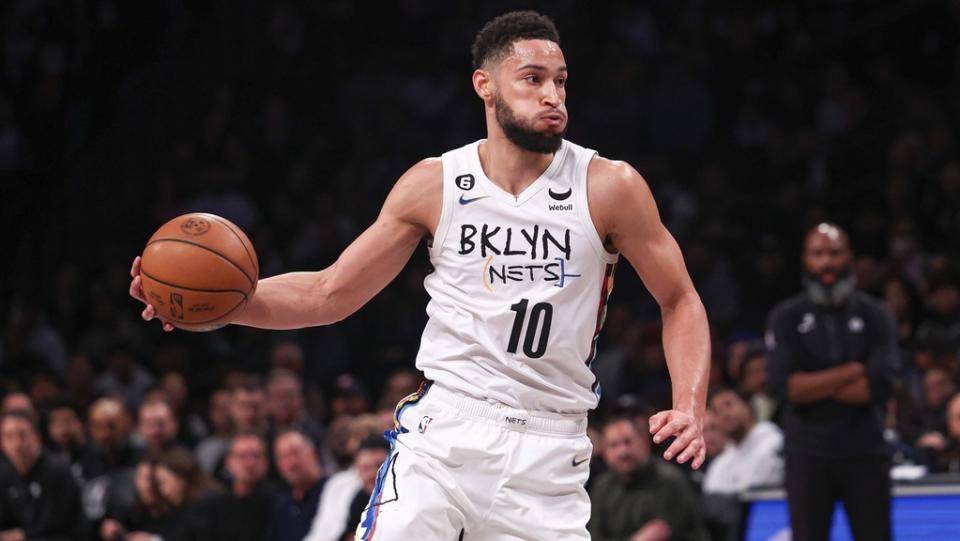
[[520, 286]]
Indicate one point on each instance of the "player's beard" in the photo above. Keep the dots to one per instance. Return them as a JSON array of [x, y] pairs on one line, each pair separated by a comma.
[[522, 133]]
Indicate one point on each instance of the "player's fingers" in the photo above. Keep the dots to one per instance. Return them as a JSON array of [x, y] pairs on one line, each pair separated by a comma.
[[148, 313], [673, 427], [168, 326], [657, 421], [136, 288], [135, 268], [701, 458], [680, 443], [691, 451]]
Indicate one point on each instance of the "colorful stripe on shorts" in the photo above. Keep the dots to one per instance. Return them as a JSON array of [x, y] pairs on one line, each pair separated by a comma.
[[368, 522], [409, 400]]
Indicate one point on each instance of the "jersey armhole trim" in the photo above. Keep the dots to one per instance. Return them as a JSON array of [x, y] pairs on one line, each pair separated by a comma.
[[584, 212], [443, 225]]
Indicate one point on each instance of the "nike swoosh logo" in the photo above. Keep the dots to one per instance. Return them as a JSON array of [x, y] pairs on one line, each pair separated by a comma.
[[576, 463], [465, 201], [560, 196]]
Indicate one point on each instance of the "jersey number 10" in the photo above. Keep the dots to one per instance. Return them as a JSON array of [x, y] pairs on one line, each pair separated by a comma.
[[541, 315]]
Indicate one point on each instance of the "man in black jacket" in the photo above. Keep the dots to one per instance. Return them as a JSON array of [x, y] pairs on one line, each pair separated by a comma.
[[39, 497], [833, 358]]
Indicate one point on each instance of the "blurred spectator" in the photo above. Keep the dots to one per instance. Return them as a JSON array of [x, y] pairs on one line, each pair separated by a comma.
[[110, 427], [40, 497], [940, 449], [211, 449], [147, 506], [399, 385], [17, 401], [293, 510], [751, 457], [367, 461], [938, 334], [124, 376], [833, 357], [192, 429], [170, 487], [752, 382], [157, 426], [349, 396], [242, 513], [285, 406], [66, 435], [248, 406], [640, 497]]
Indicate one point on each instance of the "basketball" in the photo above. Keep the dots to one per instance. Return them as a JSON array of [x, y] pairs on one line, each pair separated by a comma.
[[198, 271]]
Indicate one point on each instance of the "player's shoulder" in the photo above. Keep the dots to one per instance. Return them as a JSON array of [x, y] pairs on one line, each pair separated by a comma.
[[421, 179], [615, 173], [615, 187]]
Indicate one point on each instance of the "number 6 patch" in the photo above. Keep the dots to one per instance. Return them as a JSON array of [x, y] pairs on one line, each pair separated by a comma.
[[465, 182]]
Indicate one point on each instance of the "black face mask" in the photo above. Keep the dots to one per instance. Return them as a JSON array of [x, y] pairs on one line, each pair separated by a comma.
[[830, 294], [523, 135]]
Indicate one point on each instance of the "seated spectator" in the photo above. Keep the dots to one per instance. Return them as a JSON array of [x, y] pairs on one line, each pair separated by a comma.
[[18, 401], [157, 426], [640, 497], [751, 457], [66, 436], [370, 456], [294, 509], [285, 406], [170, 487], [752, 382], [175, 391], [243, 512], [938, 387], [40, 497], [211, 449], [109, 465], [247, 414], [941, 450]]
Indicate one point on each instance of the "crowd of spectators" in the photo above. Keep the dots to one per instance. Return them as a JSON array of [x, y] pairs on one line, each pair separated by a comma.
[[751, 121]]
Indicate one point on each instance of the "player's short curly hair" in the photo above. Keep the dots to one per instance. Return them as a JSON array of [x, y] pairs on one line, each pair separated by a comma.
[[497, 36]]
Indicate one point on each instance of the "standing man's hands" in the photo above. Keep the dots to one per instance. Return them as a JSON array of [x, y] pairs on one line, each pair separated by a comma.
[[687, 431]]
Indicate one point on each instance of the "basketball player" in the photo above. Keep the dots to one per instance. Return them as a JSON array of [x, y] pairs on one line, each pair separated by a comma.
[[523, 229]]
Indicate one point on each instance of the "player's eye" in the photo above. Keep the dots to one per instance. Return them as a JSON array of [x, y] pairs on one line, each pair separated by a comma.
[[561, 82], [532, 79]]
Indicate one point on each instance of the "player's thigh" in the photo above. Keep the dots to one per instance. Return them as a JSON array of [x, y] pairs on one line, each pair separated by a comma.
[[412, 500], [544, 497]]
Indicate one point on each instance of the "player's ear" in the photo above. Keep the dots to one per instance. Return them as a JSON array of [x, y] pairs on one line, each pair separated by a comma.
[[483, 84]]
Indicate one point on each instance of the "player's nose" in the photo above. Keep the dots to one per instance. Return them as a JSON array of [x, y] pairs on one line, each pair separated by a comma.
[[551, 95]]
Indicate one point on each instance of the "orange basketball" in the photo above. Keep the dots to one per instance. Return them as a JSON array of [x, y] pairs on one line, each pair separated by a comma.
[[198, 271]]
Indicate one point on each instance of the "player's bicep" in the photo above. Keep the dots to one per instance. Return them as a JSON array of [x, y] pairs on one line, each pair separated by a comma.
[[638, 233]]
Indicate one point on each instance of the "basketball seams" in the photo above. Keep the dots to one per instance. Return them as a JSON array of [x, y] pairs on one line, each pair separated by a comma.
[[256, 264], [253, 284], [187, 288]]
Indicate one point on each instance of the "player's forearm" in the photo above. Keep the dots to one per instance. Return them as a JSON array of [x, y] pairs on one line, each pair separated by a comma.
[[686, 344], [292, 301], [806, 387]]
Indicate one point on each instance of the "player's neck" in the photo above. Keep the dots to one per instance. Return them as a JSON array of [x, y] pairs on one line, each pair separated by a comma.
[[509, 166]]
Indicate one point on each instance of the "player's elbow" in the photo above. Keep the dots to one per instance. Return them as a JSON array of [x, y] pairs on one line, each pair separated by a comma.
[[327, 301]]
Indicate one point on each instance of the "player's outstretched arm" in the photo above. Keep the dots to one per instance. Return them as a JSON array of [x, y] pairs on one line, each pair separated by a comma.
[[628, 216], [304, 299]]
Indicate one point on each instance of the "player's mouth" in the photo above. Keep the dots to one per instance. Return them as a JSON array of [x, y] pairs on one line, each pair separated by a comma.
[[554, 119]]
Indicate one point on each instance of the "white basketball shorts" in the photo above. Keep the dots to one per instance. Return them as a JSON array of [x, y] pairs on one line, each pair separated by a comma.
[[462, 466]]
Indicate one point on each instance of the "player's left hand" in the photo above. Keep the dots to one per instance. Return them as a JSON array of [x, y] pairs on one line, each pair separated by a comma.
[[687, 431]]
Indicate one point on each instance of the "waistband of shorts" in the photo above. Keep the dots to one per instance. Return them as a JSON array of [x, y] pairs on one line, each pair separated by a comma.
[[565, 424]]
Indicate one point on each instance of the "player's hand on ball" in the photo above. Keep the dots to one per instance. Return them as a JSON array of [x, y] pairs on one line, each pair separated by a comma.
[[136, 291], [687, 431]]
